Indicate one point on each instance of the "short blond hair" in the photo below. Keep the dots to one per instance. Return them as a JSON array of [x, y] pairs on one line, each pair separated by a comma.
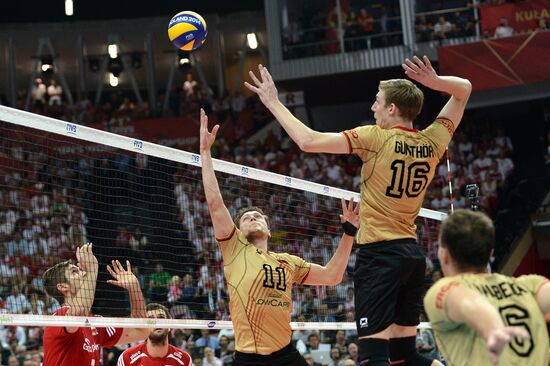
[[405, 95]]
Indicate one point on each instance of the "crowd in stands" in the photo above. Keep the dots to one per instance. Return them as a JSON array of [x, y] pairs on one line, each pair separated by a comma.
[[316, 31], [41, 223], [238, 114]]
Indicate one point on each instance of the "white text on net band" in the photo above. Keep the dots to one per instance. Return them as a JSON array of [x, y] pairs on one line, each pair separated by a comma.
[[99, 322], [43, 123]]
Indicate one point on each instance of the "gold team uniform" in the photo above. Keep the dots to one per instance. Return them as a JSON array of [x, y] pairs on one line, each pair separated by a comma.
[[398, 165], [260, 287], [515, 299]]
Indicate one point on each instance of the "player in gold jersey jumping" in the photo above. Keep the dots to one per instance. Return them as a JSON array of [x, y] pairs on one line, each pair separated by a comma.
[[478, 317], [398, 164], [260, 281]]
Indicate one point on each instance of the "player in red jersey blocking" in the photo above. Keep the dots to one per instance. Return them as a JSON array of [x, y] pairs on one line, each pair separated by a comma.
[[74, 287], [155, 351]]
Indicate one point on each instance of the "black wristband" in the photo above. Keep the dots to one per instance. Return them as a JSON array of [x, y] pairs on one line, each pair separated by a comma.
[[349, 228]]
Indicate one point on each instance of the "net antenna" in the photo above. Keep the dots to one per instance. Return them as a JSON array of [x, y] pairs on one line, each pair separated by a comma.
[[299, 194]]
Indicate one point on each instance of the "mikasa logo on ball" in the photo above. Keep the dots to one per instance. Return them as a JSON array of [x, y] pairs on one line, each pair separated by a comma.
[[189, 36]]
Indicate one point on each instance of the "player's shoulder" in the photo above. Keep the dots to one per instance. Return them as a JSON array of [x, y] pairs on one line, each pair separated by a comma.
[[440, 288], [134, 352], [531, 281], [182, 357], [62, 311], [440, 123], [287, 257], [364, 131]]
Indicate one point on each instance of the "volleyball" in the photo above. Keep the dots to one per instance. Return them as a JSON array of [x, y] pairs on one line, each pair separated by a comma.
[[187, 30]]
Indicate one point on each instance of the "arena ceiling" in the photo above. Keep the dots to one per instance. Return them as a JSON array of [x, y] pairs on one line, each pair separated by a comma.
[[24, 22], [14, 11]]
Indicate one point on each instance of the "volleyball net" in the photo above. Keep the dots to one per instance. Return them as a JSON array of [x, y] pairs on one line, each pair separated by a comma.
[[63, 185]]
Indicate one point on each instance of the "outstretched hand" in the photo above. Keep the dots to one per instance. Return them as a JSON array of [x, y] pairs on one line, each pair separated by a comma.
[[264, 87], [499, 338], [206, 138], [86, 259], [123, 277], [421, 71], [350, 213]]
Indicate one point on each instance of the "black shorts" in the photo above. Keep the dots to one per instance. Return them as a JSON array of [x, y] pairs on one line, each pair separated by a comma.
[[389, 285], [287, 356]]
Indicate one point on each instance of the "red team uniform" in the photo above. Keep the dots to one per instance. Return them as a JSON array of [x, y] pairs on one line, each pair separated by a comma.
[[138, 356], [80, 348]]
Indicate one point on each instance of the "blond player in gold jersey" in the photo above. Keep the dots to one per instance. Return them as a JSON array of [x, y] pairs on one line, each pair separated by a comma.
[[260, 281], [398, 164], [480, 318]]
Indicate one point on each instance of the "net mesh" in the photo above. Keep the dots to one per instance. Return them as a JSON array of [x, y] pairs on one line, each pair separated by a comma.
[[145, 203]]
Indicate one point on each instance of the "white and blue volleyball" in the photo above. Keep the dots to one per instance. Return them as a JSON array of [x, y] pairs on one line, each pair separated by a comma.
[[187, 30]]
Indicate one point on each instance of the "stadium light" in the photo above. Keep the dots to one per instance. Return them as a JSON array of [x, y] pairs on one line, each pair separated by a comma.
[[113, 80], [69, 8], [113, 50], [46, 65], [252, 40]]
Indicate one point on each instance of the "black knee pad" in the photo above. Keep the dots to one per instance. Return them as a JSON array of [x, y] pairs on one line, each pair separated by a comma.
[[373, 352], [404, 350]]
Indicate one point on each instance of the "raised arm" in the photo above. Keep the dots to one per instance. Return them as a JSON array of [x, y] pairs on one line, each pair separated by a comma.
[[306, 138], [332, 273], [126, 279], [459, 88], [221, 218], [82, 302], [467, 306]]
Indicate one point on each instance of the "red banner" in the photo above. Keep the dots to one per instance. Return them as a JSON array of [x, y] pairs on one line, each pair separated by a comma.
[[499, 63], [523, 17]]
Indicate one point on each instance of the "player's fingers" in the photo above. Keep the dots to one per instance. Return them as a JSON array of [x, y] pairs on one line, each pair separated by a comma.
[[268, 74], [412, 65], [518, 332], [115, 266], [344, 208], [112, 282], [408, 70], [254, 78], [204, 121], [251, 87], [350, 206], [419, 62], [493, 357], [265, 74], [215, 130], [120, 268], [260, 68], [111, 272], [128, 266], [427, 62], [356, 209], [342, 219]]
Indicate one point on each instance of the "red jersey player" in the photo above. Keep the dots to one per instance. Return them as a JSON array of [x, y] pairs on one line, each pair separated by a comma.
[[155, 351], [74, 287]]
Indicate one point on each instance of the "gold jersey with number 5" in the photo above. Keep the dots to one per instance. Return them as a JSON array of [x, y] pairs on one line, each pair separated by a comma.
[[514, 298], [398, 165]]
